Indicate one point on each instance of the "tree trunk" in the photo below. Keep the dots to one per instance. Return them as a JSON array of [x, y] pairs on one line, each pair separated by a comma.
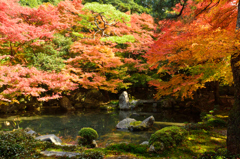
[[233, 130]]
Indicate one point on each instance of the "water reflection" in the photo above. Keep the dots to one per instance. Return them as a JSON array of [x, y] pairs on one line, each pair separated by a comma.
[[68, 124]]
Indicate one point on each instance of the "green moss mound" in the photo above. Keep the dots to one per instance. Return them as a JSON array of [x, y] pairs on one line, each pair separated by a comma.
[[87, 135], [169, 136]]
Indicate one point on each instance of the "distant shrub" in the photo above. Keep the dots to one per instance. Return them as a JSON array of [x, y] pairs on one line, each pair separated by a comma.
[[170, 136]]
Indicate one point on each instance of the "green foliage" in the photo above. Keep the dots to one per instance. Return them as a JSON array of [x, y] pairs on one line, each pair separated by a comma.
[[30, 3], [107, 10], [51, 56], [87, 135], [19, 144], [119, 40], [133, 148], [169, 136], [35, 3], [123, 5], [48, 62]]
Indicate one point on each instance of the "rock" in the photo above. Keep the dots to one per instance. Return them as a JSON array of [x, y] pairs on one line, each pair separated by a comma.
[[66, 103], [125, 123], [51, 138], [158, 147], [144, 125], [134, 104], [94, 143], [151, 149], [148, 122], [144, 143], [30, 131], [93, 99], [124, 101], [59, 154]]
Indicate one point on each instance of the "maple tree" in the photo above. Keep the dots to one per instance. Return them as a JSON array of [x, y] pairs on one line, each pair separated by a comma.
[[94, 45], [22, 28], [107, 45], [200, 46]]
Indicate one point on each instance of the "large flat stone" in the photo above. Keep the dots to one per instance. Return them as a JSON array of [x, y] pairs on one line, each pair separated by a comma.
[[59, 154], [51, 137]]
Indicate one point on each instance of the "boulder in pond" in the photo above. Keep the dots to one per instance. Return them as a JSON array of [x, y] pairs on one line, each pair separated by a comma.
[[125, 123], [124, 101], [51, 138], [144, 125]]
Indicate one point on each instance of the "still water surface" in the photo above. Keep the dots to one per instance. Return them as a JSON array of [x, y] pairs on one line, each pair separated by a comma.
[[67, 124]]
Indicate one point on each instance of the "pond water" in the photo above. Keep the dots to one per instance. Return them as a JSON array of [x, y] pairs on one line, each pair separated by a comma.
[[67, 124]]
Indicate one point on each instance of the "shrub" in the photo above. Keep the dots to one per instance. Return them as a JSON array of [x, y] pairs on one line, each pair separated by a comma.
[[169, 136], [19, 144], [87, 135]]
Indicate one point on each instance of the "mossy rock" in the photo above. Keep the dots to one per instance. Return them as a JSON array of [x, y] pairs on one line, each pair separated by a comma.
[[135, 123], [141, 125], [169, 136], [87, 135]]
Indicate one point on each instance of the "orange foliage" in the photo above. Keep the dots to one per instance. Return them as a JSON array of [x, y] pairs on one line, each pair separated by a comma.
[[195, 48]]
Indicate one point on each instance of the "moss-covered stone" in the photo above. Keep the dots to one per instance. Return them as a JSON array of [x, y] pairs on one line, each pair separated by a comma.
[[169, 136], [135, 123]]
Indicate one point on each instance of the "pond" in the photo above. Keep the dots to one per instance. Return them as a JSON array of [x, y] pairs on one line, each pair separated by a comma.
[[67, 124]]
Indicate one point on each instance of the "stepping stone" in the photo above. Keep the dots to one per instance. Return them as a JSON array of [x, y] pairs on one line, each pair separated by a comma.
[[59, 154]]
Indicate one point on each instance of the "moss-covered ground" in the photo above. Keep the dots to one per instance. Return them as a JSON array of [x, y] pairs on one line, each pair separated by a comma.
[[197, 143]]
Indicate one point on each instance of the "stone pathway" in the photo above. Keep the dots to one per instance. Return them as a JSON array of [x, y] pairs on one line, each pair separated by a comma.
[[59, 154]]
